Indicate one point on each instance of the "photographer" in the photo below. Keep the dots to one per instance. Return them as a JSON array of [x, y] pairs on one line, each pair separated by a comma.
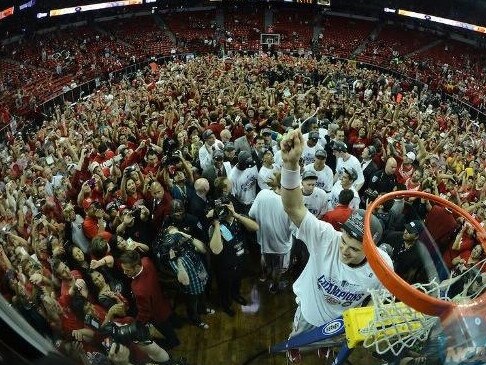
[[227, 243], [153, 306], [183, 253], [136, 224], [113, 326]]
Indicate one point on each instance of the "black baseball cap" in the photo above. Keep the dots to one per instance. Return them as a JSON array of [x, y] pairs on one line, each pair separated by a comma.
[[339, 146], [314, 135], [354, 226], [218, 155], [414, 227]]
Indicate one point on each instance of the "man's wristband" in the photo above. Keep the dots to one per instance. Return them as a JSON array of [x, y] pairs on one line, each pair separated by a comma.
[[290, 179]]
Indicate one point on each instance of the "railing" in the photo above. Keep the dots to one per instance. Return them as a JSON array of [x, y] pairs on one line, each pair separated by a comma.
[[73, 95], [87, 88]]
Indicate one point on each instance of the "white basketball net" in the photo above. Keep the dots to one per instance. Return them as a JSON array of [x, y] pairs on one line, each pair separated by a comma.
[[396, 327]]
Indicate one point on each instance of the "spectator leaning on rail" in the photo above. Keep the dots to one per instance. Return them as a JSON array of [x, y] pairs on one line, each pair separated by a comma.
[[337, 275]]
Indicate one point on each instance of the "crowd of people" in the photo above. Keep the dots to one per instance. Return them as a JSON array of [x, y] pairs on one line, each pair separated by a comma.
[[165, 176], [42, 64]]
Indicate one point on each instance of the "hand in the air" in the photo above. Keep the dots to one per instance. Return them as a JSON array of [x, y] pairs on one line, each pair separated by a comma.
[[292, 146]]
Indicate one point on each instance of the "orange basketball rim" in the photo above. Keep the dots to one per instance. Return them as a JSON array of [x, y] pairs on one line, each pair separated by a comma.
[[400, 288]]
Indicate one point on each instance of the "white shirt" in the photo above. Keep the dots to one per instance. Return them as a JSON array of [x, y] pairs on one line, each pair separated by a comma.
[[351, 162], [324, 177], [206, 154], [327, 286], [264, 175], [322, 137], [309, 153], [274, 234], [316, 202], [277, 160], [244, 184], [77, 234], [334, 197]]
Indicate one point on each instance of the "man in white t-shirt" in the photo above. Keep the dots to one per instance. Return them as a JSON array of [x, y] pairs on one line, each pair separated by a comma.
[[206, 151], [315, 199], [346, 160], [345, 182], [244, 176], [274, 235], [309, 151], [267, 170], [337, 275], [324, 172]]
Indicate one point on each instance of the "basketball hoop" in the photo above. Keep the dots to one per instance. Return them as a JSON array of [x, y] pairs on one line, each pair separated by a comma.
[[461, 321]]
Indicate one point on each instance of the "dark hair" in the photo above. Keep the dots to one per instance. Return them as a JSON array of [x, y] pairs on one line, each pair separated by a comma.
[[77, 305], [69, 258], [345, 196], [98, 247], [131, 258], [102, 147]]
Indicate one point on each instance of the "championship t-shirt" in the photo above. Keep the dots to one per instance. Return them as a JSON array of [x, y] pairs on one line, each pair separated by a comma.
[[244, 184], [327, 286]]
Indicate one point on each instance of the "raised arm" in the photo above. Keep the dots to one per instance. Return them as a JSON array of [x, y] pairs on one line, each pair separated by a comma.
[[291, 193]]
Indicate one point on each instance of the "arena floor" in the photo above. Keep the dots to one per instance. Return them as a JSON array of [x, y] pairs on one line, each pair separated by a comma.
[[243, 339]]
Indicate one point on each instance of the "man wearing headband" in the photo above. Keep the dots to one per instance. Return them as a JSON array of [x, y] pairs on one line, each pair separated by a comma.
[[337, 275]]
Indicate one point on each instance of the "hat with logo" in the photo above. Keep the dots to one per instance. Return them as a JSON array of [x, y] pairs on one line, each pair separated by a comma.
[[218, 155], [266, 131], [229, 146], [411, 155], [308, 175], [339, 146], [353, 175], [249, 127], [244, 157], [414, 227], [321, 153], [314, 135], [354, 226]]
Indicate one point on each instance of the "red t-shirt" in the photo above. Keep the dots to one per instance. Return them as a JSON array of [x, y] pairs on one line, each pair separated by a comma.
[[152, 304], [90, 229], [338, 216]]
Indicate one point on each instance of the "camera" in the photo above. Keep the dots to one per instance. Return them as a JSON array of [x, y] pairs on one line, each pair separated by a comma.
[[221, 210], [126, 333], [130, 169], [176, 242], [174, 158], [371, 194]]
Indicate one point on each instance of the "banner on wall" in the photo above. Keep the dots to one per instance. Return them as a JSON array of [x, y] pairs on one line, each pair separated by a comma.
[[83, 8]]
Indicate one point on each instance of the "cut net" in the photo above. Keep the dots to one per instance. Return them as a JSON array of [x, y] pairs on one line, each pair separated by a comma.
[[396, 327]]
